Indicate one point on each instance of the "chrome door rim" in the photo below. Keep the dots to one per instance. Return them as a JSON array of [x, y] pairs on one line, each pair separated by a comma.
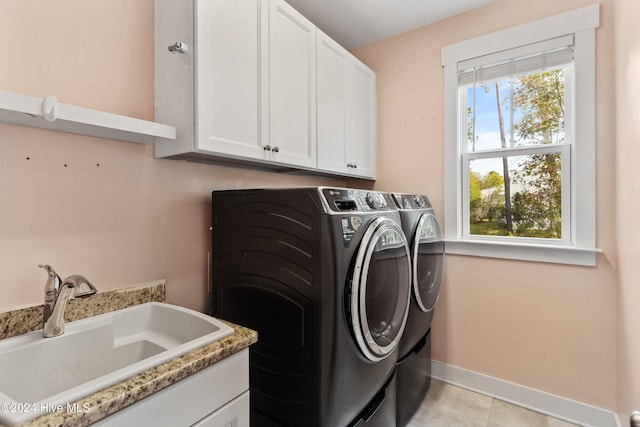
[[372, 350], [414, 261]]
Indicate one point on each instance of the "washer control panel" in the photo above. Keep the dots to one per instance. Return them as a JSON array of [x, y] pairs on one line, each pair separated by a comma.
[[375, 200], [345, 200]]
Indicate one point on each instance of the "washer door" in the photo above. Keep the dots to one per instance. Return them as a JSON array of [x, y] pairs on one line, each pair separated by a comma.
[[427, 259], [380, 289]]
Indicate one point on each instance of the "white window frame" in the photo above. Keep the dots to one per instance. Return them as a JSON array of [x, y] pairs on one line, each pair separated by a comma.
[[580, 248]]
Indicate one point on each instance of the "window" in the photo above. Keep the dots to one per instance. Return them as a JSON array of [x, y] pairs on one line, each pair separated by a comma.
[[520, 141]]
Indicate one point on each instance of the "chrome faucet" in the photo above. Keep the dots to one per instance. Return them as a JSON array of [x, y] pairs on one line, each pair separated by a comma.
[[56, 296]]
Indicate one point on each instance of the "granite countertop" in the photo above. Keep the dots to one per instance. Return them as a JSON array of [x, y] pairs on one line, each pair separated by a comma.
[[110, 400]]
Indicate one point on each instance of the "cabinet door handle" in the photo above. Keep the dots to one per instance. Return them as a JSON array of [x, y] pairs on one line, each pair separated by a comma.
[[267, 148], [275, 149]]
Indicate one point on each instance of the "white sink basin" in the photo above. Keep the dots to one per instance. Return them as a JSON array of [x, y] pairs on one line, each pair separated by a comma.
[[37, 374]]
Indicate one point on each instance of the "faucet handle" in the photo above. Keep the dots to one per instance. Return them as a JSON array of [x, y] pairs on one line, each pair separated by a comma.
[[54, 280], [50, 271]]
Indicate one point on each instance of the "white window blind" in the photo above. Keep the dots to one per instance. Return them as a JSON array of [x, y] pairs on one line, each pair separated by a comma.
[[536, 56]]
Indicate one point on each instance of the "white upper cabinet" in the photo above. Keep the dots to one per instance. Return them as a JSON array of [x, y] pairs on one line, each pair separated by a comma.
[[245, 81], [229, 78], [362, 119], [346, 111], [210, 77], [292, 96], [333, 64]]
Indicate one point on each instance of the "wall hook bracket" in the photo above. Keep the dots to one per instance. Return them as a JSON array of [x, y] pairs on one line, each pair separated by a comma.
[[179, 47]]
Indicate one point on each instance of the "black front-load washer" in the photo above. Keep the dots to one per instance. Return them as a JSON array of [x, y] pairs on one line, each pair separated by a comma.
[[427, 253], [323, 275]]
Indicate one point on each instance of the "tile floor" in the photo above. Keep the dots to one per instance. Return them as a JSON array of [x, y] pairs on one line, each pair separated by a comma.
[[449, 406]]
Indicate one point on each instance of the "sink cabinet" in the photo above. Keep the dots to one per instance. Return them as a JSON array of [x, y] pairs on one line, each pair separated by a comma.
[[214, 397], [241, 84]]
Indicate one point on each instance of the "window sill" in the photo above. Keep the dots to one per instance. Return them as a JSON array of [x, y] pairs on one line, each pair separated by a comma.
[[524, 251]]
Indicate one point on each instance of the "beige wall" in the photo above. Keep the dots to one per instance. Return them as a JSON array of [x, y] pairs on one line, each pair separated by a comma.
[[129, 220], [627, 92], [550, 327]]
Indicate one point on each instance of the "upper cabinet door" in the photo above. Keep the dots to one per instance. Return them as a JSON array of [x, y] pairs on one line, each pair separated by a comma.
[[333, 64], [346, 111], [362, 114], [230, 81], [292, 96]]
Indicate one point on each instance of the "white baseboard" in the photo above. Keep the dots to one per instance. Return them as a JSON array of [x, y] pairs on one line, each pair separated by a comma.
[[536, 400]]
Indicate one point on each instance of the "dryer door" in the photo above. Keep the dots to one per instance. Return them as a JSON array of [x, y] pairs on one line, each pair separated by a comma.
[[427, 259], [380, 289]]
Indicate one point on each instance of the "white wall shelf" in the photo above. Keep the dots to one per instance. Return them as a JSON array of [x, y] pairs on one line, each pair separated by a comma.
[[50, 114]]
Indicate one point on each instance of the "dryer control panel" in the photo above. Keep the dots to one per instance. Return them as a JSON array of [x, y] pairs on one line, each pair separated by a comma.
[[348, 200], [411, 201]]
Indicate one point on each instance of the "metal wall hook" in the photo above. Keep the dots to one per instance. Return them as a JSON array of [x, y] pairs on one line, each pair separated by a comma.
[[179, 47]]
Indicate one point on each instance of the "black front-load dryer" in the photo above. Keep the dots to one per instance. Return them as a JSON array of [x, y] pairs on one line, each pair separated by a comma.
[[427, 253], [323, 275]]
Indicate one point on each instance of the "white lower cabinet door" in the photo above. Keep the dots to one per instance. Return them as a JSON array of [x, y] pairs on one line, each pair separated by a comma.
[[233, 414]]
